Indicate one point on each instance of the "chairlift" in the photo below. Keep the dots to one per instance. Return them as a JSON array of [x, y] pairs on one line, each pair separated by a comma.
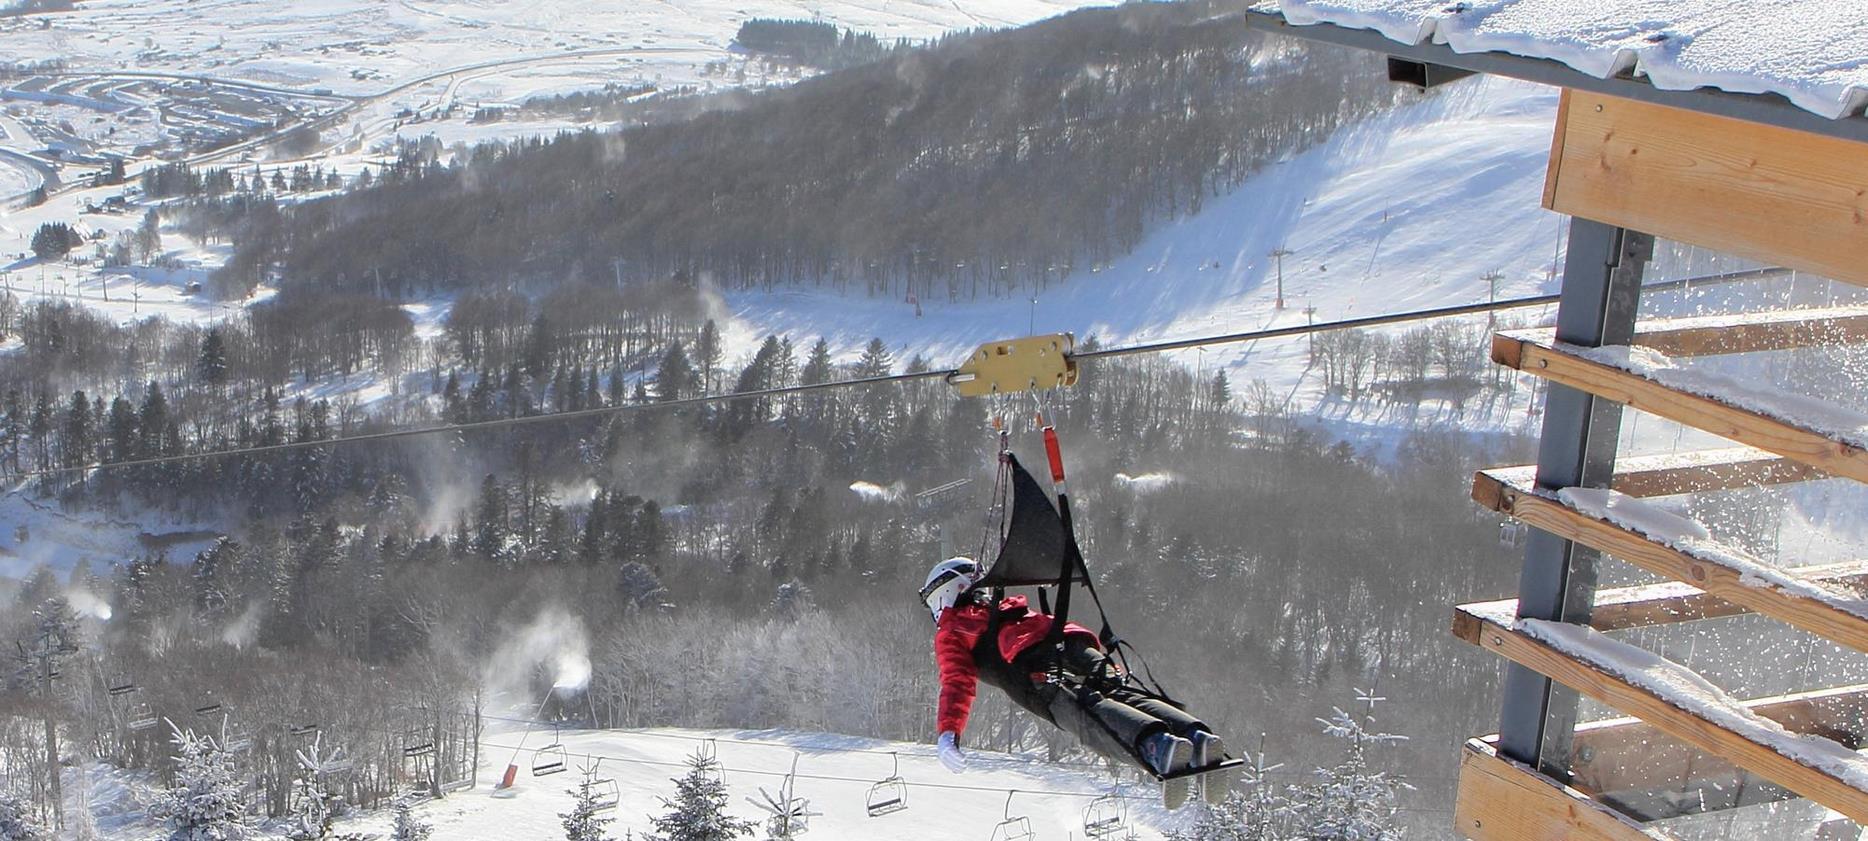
[[208, 709], [121, 685], [1104, 816], [141, 716], [417, 743], [549, 760], [456, 784], [890, 794], [1013, 828], [304, 729], [602, 792], [236, 739]]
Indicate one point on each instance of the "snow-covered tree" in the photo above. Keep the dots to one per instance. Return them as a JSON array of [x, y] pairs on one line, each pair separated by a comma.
[[1349, 802], [313, 810], [205, 803], [698, 810], [17, 821], [583, 823], [408, 827]]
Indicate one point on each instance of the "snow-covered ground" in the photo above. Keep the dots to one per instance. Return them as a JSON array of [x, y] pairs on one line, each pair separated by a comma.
[[835, 774], [355, 46], [1368, 217]]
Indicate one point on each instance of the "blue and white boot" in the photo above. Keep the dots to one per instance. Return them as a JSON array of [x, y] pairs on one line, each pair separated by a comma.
[[1209, 750], [1168, 754]]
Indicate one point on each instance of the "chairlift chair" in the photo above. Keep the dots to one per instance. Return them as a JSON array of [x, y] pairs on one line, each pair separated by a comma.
[[604, 794], [549, 760], [208, 709], [1013, 828], [417, 743], [141, 716], [304, 729], [236, 739], [890, 794], [121, 685], [1104, 816]]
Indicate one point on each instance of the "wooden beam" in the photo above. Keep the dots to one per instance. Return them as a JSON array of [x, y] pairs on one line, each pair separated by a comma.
[[1722, 469], [1634, 765], [1713, 335], [1502, 800], [1672, 602], [1748, 743], [1533, 352], [1769, 193], [1723, 576]]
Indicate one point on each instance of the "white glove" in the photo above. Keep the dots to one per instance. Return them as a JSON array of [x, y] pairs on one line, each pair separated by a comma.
[[950, 754]]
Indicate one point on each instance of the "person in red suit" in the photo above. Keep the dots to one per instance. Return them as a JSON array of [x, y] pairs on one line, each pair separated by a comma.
[[1078, 688]]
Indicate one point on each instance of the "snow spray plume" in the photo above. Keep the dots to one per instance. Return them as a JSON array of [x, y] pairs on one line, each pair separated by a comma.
[[244, 628], [88, 603], [872, 492], [555, 640], [1145, 483]]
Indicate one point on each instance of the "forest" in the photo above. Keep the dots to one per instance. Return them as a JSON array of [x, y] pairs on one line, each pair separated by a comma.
[[977, 165]]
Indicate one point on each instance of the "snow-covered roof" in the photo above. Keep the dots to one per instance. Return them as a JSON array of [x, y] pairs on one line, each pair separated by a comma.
[[1812, 52]]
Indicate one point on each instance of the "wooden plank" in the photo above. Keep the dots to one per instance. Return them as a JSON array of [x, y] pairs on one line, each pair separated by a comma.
[[1769, 193], [1722, 469], [1502, 800], [1716, 576], [1778, 330], [1747, 744], [1672, 602], [1529, 353], [1632, 764]]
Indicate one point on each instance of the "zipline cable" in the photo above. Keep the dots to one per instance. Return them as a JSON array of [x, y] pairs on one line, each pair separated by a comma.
[[891, 379]]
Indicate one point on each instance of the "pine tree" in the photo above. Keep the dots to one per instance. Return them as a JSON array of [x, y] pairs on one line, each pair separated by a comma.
[[707, 352], [205, 802], [1350, 802], [675, 378], [698, 810], [212, 365], [18, 823], [408, 827], [817, 365], [583, 823]]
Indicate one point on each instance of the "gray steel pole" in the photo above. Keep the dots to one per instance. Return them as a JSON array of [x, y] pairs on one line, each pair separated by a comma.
[[1601, 289]]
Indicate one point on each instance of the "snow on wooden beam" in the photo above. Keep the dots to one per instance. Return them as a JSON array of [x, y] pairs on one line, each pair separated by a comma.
[[1744, 333], [1632, 765], [1722, 469], [1822, 435], [1667, 544], [1773, 194], [1647, 605], [1676, 702], [1502, 800]]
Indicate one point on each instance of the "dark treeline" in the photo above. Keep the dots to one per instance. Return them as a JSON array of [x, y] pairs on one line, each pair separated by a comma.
[[981, 164], [815, 43]]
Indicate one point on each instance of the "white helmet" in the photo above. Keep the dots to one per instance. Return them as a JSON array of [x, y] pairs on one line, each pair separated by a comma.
[[946, 582]]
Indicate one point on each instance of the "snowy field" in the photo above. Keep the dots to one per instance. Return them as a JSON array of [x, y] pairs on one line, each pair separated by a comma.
[[835, 774]]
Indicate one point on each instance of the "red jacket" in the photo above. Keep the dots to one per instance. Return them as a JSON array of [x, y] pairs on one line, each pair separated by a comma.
[[959, 629]]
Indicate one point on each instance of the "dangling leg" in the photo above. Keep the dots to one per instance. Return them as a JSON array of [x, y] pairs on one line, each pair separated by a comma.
[[1208, 749]]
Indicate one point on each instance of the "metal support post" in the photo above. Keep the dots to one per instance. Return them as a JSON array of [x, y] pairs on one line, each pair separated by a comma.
[[1601, 289]]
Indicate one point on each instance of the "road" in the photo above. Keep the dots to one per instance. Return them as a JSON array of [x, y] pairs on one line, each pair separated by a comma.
[[347, 104]]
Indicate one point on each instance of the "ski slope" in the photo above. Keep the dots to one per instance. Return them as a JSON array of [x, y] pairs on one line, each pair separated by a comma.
[[1404, 211], [835, 774]]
